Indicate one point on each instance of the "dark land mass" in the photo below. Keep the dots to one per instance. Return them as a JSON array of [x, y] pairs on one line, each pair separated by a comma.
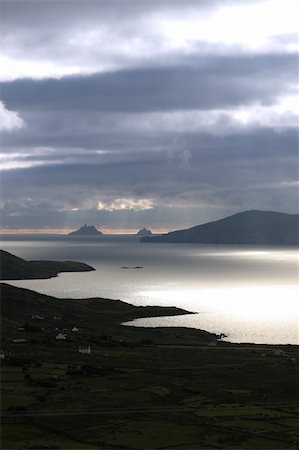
[[86, 230], [15, 268], [161, 388], [144, 232], [249, 227]]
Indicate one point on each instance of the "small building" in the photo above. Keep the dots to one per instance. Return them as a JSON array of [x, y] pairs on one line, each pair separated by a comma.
[[18, 340], [57, 317], [292, 360], [85, 349], [61, 336], [75, 329], [2, 354], [37, 316], [278, 352]]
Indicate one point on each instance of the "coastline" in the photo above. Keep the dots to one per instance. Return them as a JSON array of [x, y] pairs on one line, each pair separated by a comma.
[[126, 315], [135, 388]]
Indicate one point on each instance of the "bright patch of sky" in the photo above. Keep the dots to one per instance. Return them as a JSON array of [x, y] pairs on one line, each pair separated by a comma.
[[252, 26], [157, 36], [121, 204], [10, 120]]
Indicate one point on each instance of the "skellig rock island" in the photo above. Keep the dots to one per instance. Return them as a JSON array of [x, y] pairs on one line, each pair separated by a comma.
[[144, 232], [86, 230]]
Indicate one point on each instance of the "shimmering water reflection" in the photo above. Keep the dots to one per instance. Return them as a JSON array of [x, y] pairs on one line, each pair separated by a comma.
[[247, 314], [249, 293]]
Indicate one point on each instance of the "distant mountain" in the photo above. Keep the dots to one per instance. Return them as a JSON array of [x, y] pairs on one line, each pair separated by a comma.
[[144, 232], [14, 268], [86, 231], [249, 227]]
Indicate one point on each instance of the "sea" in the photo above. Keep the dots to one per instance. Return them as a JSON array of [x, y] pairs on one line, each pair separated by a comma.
[[248, 293]]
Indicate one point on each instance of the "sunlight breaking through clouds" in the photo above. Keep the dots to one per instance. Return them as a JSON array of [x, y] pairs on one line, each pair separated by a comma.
[[250, 26], [10, 120], [126, 204]]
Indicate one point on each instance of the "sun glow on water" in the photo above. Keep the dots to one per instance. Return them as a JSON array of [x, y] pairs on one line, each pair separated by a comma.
[[236, 311], [246, 303], [249, 293]]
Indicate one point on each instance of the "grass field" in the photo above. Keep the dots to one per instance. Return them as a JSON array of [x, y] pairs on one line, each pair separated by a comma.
[[139, 388]]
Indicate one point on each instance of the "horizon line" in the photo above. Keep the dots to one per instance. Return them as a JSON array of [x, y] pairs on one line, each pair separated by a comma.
[[66, 231]]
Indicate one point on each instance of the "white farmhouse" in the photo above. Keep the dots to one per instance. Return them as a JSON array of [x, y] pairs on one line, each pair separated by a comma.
[[85, 349], [36, 316], [61, 336]]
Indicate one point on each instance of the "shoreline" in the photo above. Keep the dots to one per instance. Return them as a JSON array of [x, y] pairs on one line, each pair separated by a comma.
[[152, 312], [135, 387]]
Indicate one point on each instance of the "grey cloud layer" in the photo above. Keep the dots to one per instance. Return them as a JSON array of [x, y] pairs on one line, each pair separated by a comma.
[[221, 171], [104, 136], [208, 83]]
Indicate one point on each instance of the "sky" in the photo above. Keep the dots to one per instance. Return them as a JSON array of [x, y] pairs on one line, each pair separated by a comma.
[[165, 114]]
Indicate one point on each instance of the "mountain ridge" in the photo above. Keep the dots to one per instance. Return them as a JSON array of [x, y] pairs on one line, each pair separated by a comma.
[[247, 227]]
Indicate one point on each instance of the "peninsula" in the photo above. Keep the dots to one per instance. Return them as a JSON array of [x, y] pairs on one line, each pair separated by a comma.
[[65, 360], [249, 227], [74, 377], [15, 268]]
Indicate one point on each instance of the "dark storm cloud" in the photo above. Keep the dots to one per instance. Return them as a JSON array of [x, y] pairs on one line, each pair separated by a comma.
[[209, 83], [218, 170]]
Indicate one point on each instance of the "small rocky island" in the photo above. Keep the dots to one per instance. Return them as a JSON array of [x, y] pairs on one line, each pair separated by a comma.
[[86, 230], [144, 232]]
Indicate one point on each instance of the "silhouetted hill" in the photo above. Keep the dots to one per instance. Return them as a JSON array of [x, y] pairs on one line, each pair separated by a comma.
[[249, 227], [15, 268], [86, 231], [144, 232]]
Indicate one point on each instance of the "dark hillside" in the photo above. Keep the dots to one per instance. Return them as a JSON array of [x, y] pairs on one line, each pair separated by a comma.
[[249, 227], [15, 268]]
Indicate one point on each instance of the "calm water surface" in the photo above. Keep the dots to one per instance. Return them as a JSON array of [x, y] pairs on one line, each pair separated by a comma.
[[250, 293]]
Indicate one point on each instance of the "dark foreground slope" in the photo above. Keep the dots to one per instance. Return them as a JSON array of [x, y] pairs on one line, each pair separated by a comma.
[[249, 227], [14, 268], [19, 304], [140, 389]]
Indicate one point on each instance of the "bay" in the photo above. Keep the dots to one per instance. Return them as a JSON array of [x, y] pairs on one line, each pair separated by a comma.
[[250, 293]]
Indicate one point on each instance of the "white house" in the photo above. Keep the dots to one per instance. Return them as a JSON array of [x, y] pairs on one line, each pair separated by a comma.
[[2, 355], [85, 349], [278, 352], [75, 329], [57, 317], [18, 341], [36, 316], [61, 336]]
